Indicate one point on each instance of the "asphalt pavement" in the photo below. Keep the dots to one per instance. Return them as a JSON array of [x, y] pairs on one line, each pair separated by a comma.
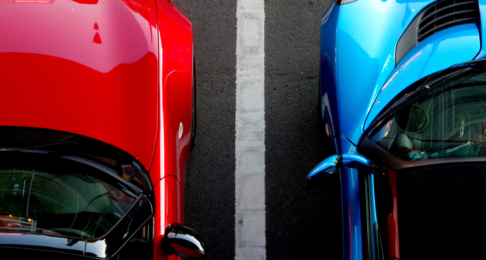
[[300, 223]]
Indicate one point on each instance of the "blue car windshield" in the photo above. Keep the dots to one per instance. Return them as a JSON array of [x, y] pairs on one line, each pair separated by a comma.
[[47, 194], [445, 117]]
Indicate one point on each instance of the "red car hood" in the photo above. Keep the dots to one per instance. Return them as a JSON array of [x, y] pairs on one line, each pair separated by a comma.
[[87, 67]]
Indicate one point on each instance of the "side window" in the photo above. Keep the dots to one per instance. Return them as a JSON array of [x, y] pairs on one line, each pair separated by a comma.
[[140, 247]]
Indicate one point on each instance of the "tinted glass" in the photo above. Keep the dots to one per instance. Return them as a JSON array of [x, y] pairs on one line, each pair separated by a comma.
[[47, 194], [67, 143], [445, 119]]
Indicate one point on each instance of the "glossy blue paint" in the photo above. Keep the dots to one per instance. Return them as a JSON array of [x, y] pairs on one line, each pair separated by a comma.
[[357, 56], [330, 161], [482, 28], [448, 47], [374, 216], [327, 71], [344, 146], [358, 45], [351, 214], [355, 159]]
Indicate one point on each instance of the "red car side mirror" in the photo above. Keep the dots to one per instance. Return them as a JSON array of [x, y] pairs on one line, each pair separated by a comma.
[[183, 241]]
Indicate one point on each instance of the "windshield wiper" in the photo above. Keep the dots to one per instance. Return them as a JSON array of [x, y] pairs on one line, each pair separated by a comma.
[[414, 91], [430, 84]]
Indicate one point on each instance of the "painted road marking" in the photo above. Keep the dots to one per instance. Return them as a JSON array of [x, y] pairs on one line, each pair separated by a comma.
[[250, 131]]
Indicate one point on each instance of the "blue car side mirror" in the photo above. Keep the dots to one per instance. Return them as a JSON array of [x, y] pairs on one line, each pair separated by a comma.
[[329, 167]]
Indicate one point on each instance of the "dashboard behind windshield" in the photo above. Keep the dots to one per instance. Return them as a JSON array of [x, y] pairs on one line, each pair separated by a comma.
[[444, 119], [47, 194]]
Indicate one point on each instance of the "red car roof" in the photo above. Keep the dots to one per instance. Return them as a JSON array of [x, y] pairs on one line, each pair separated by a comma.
[[88, 69]]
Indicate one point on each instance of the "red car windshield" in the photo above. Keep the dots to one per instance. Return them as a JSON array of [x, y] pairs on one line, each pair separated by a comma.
[[53, 195]]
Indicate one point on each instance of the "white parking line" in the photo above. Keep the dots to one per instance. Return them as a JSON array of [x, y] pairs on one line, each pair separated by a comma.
[[250, 131]]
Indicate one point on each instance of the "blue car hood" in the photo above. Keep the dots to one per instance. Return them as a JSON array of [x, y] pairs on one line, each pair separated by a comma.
[[358, 69]]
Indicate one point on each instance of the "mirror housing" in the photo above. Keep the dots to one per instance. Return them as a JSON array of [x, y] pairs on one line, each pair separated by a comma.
[[328, 167], [325, 168], [183, 241]]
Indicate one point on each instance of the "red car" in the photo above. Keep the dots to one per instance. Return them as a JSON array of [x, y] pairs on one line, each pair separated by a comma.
[[96, 127]]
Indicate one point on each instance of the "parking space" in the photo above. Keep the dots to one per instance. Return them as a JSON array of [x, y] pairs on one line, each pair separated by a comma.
[[300, 223]]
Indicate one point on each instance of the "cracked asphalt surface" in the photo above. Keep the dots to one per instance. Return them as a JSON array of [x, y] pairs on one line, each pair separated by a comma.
[[301, 223]]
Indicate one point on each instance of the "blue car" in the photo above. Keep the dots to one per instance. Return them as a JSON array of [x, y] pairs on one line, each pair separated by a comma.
[[403, 104]]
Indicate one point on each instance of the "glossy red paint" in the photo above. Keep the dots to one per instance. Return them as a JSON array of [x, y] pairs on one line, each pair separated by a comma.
[[392, 220], [116, 71], [175, 101], [64, 74], [167, 198], [176, 81]]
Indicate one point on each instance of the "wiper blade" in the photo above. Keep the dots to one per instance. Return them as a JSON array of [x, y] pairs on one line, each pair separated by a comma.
[[430, 83], [10, 149]]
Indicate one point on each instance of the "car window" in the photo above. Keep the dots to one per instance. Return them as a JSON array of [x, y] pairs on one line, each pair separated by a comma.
[[446, 119], [51, 195], [128, 167]]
